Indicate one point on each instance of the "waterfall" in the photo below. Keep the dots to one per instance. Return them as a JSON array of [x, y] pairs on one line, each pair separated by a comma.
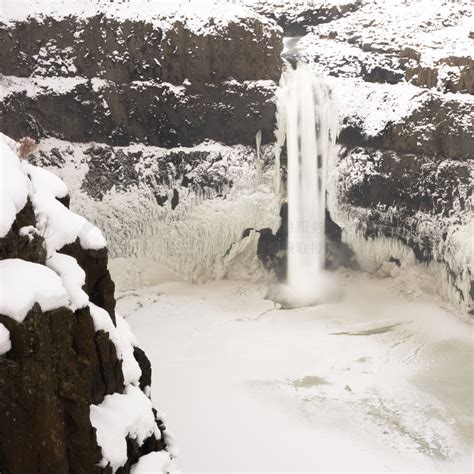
[[310, 135]]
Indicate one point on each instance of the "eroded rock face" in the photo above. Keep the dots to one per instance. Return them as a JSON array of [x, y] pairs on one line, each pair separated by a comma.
[[164, 82], [437, 126], [57, 368], [152, 113], [422, 201], [123, 51], [298, 18]]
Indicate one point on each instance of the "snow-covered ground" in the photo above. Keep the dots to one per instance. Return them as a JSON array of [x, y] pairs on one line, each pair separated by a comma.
[[381, 381]]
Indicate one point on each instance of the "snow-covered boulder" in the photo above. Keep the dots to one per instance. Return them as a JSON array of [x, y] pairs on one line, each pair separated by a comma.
[[64, 352]]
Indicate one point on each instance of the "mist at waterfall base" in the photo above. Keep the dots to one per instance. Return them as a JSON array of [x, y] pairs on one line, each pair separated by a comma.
[[311, 129]]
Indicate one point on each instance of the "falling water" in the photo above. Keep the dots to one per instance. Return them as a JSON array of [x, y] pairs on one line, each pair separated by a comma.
[[309, 124]]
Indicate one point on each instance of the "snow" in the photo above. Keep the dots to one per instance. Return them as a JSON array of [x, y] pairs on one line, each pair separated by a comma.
[[154, 462], [382, 376], [374, 106], [58, 225], [194, 14], [61, 226], [120, 416], [5, 343], [437, 29], [34, 86], [25, 283], [14, 186], [45, 182], [123, 340], [73, 278]]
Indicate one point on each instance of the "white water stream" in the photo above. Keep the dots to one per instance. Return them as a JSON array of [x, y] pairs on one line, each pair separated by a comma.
[[310, 135]]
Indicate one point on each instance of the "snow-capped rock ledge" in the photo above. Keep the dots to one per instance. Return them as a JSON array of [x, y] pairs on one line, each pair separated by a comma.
[[65, 355], [138, 72]]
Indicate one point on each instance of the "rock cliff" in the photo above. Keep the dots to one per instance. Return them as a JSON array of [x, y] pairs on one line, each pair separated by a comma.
[[153, 87], [401, 82], [74, 385], [126, 76], [151, 117]]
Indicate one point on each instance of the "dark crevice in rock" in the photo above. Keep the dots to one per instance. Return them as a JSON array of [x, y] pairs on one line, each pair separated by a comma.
[[27, 247], [272, 248]]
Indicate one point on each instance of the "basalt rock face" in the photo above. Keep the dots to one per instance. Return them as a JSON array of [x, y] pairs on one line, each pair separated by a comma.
[[437, 127], [152, 113], [64, 359], [404, 43], [124, 51], [401, 84], [297, 19], [405, 171], [57, 368], [162, 81]]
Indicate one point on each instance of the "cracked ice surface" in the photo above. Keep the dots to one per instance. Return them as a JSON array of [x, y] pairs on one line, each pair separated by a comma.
[[381, 381]]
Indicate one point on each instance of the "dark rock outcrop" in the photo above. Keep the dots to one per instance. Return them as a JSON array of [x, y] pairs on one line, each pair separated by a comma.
[[57, 368], [298, 19], [99, 284], [272, 248], [151, 113], [60, 364], [123, 51], [437, 128], [157, 82], [29, 246]]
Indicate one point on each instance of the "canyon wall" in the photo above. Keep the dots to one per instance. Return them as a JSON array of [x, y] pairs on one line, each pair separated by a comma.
[[402, 82], [152, 118]]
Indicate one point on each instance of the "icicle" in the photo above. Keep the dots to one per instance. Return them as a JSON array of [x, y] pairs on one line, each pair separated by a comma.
[[280, 135], [258, 164]]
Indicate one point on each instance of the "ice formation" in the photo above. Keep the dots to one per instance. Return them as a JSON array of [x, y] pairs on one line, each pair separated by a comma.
[[201, 238]]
